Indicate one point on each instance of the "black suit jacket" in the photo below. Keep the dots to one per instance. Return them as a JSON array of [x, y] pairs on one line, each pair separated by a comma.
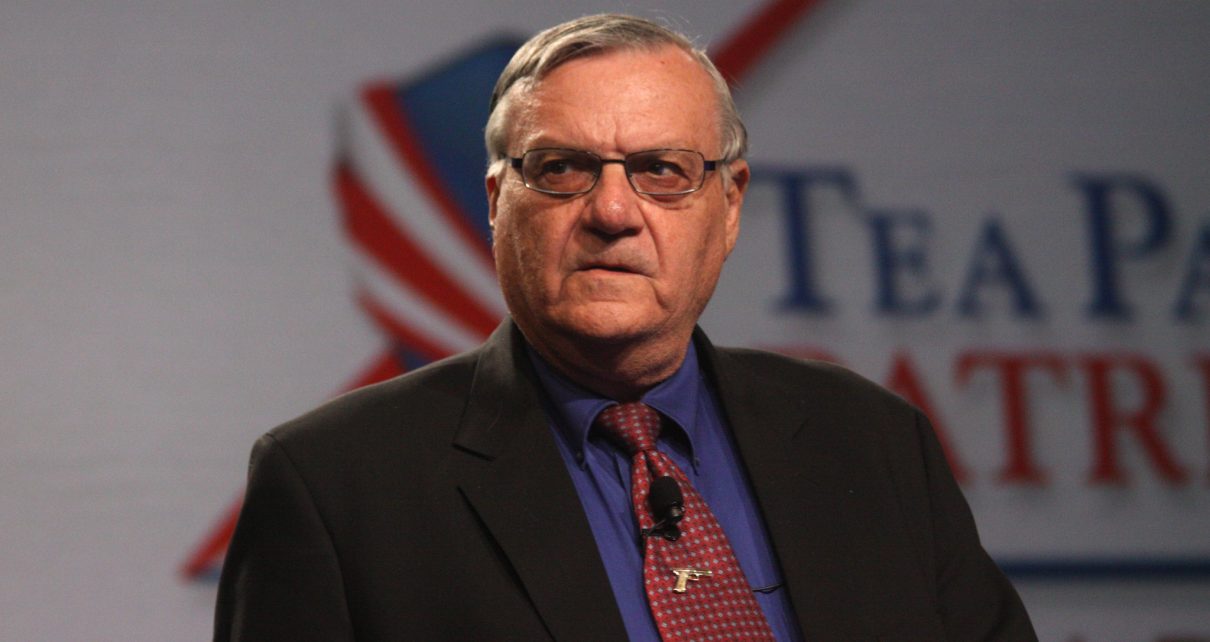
[[436, 506]]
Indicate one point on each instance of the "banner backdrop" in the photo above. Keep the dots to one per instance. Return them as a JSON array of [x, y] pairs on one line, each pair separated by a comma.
[[215, 217]]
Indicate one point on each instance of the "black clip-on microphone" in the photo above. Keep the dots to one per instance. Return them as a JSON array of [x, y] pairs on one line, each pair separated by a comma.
[[667, 506]]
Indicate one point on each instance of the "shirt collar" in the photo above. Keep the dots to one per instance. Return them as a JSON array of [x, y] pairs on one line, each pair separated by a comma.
[[676, 398]]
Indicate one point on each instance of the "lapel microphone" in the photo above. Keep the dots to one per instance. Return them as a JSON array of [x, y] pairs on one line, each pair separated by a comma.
[[667, 506]]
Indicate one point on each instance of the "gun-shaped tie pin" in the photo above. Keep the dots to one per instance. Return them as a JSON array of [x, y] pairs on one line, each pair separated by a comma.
[[686, 575]]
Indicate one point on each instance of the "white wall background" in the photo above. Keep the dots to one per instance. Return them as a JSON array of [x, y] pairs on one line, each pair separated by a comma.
[[173, 280]]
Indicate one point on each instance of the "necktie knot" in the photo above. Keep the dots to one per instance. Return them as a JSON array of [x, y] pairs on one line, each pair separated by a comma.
[[634, 426]]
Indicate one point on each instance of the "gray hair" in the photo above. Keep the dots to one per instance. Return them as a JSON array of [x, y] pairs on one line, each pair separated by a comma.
[[593, 35]]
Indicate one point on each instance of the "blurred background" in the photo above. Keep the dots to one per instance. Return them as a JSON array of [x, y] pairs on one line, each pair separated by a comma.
[[999, 209]]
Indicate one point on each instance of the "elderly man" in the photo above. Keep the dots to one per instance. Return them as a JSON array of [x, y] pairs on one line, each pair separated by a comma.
[[597, 470]]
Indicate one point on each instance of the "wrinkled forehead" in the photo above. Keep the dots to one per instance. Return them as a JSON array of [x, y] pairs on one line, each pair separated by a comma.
[[661, 94]]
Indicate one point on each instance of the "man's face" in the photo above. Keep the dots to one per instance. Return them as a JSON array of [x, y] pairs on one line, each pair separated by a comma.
[[613, 265]]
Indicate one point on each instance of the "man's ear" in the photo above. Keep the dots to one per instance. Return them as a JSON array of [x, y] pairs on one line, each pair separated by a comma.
[[736, 187], [492, 184]]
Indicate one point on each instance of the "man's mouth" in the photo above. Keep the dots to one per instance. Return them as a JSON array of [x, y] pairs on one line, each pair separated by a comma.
[[615, 263], [609, 268]]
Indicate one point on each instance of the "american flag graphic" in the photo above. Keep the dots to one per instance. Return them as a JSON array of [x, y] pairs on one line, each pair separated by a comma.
[[408, 182]]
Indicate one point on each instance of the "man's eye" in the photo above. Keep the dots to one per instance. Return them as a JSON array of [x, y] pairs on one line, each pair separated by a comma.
[[565, 166], [555, 167], [662, 168]]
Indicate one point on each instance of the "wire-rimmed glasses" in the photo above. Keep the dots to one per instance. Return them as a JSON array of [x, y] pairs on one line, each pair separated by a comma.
[[657, 172]]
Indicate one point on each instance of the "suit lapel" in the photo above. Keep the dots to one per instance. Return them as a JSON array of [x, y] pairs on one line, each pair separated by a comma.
[[515, 480], [784, 436]]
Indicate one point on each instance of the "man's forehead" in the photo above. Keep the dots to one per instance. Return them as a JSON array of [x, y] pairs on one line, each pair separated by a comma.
[[661, 58], [662, 97]]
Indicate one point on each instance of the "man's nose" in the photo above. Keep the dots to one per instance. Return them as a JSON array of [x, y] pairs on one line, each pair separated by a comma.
[[613, 205]]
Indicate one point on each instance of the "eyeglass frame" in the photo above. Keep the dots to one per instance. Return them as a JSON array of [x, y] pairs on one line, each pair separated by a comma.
[[707, 166]]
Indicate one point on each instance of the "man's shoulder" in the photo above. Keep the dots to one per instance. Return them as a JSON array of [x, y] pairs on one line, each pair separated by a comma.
[[794, 377], [426, 401], [773, 366]]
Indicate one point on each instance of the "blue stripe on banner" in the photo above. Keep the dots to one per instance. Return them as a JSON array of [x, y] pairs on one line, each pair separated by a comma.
[[410, 359], [447, 109], [1107, 568], [210, 574]]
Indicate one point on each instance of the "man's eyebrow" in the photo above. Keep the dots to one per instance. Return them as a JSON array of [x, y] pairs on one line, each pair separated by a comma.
[[542, 141], [551, 142]]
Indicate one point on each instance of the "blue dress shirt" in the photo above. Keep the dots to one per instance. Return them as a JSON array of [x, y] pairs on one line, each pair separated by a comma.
[[701, 445]]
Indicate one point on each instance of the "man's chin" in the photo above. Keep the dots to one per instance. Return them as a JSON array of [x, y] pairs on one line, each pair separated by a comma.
[[616, 324]]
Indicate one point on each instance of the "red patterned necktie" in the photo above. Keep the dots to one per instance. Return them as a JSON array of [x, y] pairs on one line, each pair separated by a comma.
[[695, 587]]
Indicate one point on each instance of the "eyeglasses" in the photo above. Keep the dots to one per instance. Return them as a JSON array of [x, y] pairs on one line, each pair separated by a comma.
[[658, 172]]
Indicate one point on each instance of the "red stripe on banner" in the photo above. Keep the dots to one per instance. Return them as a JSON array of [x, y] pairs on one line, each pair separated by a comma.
[[383, 367], [752, 40], [391, 118], [210, 552], [372, 228], [398, 330]]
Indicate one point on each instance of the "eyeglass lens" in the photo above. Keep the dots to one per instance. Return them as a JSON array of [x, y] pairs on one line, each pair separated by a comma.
[[658, 171]]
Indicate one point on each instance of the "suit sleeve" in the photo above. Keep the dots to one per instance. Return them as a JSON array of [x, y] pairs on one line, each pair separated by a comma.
[[976, 600], [281, 579]]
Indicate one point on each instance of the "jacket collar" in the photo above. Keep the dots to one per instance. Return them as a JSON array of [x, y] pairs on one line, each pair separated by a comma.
[[799, 461], [516, 482]]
